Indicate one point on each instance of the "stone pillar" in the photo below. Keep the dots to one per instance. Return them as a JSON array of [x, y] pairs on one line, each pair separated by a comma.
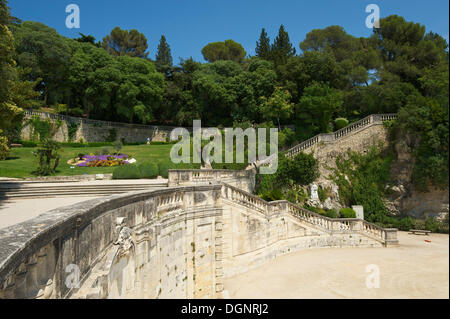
[[359, 211], [391, 236]]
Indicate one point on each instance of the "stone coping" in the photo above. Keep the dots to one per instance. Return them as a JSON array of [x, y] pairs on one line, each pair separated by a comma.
[[20, 241]]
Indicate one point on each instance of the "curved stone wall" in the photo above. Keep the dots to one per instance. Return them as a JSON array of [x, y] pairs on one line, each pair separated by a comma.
[[178, 242]]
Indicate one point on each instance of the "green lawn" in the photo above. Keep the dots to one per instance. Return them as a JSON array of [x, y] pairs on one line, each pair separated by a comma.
[[21, 161]]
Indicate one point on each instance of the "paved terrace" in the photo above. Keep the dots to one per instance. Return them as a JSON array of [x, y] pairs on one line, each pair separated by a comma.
[[23, 200], [413, 269]]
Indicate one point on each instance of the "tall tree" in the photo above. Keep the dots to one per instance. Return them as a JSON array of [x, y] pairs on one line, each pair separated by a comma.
[[47, 54], [282, 47], [227, 50], [163, 57], [263, 45], [122, 42], [10, 114]]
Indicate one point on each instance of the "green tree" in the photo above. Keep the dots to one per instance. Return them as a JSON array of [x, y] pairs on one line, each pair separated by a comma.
[[163, 57], [318, 106], [10, 114], [263, 48], [406, 50], [227, 50], [86, 39], [282, 47], [47, 55], [278, 106], [123, 42]]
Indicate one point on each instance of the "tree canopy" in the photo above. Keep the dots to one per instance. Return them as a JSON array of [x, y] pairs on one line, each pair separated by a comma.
[[123, 42], [227, 50]]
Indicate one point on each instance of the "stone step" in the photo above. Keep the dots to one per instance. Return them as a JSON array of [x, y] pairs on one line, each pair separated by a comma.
[[75, 190]]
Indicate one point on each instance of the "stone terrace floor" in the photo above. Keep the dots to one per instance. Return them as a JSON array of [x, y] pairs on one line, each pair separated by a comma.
[[413, 269]]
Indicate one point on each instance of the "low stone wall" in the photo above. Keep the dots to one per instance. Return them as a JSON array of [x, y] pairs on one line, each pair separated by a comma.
[[174, 243], [97, 131]]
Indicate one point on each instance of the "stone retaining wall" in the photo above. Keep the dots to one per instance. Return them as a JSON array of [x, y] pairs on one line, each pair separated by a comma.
[[97, 131]]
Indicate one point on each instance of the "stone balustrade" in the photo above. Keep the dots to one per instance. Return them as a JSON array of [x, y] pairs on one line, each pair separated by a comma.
[[375, 119], [179, 242], [242, 179], [331, 225]]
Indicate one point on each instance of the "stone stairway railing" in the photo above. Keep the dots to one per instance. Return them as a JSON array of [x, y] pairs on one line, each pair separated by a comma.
[[330, 225], [330, 137]]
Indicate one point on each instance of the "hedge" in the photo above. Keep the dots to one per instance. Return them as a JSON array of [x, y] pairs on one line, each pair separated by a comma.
[[148, 170], [347, 213], [127, 172]]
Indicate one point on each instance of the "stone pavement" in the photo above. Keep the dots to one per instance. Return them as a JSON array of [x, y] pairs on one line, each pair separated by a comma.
[[14, 211], [413, 269]]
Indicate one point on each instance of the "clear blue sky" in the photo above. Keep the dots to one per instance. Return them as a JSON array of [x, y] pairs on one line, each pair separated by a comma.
[[191, 24]]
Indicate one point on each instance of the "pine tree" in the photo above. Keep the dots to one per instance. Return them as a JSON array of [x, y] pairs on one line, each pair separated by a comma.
[[263, 45], [163, 57], [282, 47]]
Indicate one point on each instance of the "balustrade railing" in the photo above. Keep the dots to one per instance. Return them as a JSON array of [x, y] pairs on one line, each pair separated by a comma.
[[369, 120], [330, 225]]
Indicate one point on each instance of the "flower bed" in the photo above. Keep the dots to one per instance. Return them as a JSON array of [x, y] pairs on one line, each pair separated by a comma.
[[104, 160]]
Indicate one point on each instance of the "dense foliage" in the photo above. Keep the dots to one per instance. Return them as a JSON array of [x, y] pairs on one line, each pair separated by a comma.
[[362, 180], [303, 169], [399, 68]]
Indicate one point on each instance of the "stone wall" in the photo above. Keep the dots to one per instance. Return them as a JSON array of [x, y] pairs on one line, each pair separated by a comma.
[[173, 243], [97, 131]]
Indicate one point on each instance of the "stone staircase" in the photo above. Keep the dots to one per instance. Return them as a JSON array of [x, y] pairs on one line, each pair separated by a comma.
[[353, 128], [30, 190]]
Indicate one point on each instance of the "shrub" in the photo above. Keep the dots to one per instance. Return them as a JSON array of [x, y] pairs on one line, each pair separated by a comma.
[[331, 213], [322, 194], [127, 172], [316, 210], [303, 169], [286, 138], [48, 156], [77, 112], [4, 149], [28, 144], [148, 170], [163, 168], [273, 195], [432, 224], [347, 213], [340, 123]]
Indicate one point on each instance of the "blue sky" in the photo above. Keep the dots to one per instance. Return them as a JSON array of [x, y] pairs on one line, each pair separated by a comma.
[[191, 24]]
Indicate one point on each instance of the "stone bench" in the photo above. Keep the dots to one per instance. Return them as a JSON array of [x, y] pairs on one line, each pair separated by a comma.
[[418, 231]]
